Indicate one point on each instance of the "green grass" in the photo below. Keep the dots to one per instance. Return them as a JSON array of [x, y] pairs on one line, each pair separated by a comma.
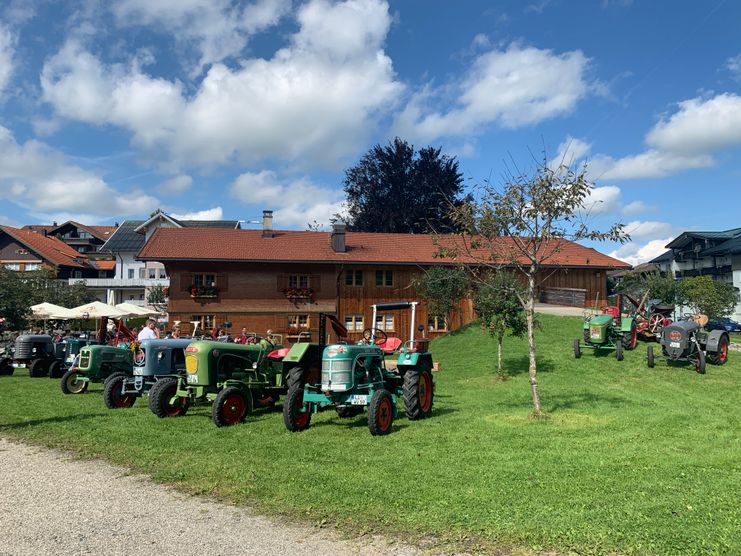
[[630, 460]]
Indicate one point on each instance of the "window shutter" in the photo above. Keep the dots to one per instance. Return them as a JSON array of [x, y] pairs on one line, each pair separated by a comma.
[[315, 282], [186, 280], [282, 282], [222, 282]]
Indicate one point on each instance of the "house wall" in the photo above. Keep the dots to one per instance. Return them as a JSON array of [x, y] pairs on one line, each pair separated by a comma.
[[13, 252]]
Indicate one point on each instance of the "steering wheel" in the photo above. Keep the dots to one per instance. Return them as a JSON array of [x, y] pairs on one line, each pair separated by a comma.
[[368, 334]]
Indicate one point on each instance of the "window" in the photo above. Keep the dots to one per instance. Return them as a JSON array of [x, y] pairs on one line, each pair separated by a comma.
[[201, 280], [102, 274], [354, 323], [205, 322], [437, 324], [163, 274], [384, 278], [77, 274], [12, 266], [385, 322], [298, 322], [353, 278], [32, 266], [142, 273], [131, 274], [151, 273], [298, 280]]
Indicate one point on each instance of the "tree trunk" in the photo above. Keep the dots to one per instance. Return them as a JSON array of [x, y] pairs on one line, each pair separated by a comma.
[[500, 370], [530, 313]]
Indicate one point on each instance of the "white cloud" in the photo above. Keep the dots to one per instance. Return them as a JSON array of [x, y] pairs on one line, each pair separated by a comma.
[[218, 29], [177, 184], [317, 99], [215, 213], [513, 88], [569, 152], [733, 65], [7, 51], [38, 178], [648, 229], [602, 200], [637, 207], [635, 253], [295, 203], [686, 140]]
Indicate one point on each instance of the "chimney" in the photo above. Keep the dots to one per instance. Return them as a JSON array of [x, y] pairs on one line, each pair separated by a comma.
[[267, 223], [338, 237]]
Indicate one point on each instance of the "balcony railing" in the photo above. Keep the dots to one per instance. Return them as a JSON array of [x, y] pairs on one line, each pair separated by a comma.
[[122, 282]]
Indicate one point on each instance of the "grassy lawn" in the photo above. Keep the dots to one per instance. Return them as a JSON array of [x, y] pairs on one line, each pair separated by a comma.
[[631, 460]]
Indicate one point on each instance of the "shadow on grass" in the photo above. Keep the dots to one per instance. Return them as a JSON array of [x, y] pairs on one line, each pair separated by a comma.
[[20, 425], [521, 365], [586, 399]]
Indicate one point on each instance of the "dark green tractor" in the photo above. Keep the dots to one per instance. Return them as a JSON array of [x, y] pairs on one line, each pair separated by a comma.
[[609, 330], [96, 364]]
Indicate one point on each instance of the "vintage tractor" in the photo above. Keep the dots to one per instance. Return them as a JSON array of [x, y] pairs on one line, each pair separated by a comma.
[[96, 364], [40, 354], [161, 359], [609, 330], [356, 377], [650, 316], [6, 360], [685, 340]]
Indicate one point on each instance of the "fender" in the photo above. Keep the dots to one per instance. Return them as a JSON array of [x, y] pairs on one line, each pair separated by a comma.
[[626, 324], [714, 337]]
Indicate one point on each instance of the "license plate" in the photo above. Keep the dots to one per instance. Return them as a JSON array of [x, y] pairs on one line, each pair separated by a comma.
[[192, 379], [675, 344], [358, 400], [595, 333], [138, 371]]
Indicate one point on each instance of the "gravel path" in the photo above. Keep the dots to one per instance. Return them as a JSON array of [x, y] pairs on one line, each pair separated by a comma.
[[53, 504]]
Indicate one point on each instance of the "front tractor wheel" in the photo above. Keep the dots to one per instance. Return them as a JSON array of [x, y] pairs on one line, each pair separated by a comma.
[[380, 413], [650, 357], [577, 349], [619, 351], [231, 407], [630, 339], [113, 395], [39, 368], [6, 367], [418, 394], [71, 383], [162, 400], [296, 416], [700, 362]]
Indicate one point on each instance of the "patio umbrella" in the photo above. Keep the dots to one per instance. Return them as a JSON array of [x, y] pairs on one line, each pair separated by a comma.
[[95, 310], [135, 310], [46, 311]]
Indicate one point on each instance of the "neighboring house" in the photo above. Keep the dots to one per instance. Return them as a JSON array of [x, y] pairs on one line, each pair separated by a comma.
[[24, 250], [281, 280], [132, 279], [82, 238], [716, 254]]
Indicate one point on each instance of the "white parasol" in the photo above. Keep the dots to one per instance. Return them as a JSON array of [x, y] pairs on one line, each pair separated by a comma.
[[45, 311], [94, 310], [135, 309]]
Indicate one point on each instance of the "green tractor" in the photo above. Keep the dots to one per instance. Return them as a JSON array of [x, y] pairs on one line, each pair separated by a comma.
[[609, 330], [358, 377], [97, 363]]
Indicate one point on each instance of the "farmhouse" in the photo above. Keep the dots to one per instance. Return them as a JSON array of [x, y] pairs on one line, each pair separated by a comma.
[[280, 280]]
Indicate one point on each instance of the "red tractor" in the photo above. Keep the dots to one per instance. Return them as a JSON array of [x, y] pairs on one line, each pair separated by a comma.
[[650, 317]]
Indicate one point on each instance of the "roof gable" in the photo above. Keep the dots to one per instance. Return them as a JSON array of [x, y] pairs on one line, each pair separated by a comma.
[[49, 248]]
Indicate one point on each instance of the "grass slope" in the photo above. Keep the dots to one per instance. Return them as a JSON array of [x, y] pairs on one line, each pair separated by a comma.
[[631, 460]]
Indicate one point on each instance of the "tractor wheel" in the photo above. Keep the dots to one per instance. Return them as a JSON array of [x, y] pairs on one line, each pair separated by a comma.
[[418, 394], [70, 383], [39, 368], [380, 413], [619, 351], [577, 349], [650, 357], [231, 407], [721, 356], [587, 339], [160, 397], [56, 369], [349, 412], [298, 376], [294, 416], [700, 362], [113, 395], [117, 374], [6, 367], [630, 340]]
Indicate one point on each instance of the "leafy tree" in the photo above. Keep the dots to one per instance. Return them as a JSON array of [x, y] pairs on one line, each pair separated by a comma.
[[498, 305], [394, 189], [443, 288], [523, 224], [705, 295], [157, 297], [658, 286]]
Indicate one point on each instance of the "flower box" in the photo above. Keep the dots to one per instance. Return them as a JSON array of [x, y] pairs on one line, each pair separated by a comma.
[[204, 291]]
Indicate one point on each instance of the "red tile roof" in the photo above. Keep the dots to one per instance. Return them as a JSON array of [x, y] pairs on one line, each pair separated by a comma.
[[48, 248], [103, 264], [39, 228], [202, 244]]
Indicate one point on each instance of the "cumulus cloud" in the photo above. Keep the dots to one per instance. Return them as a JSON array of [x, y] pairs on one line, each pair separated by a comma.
[[570, 151], [296, 202], [515, 87], [648, 229], [7, 51], [733, 65], [177, 184], [685, 140], [217, 29], [636, 207], [603, 200], [39, 179], [317, 99], [215, 213], [636, 253]]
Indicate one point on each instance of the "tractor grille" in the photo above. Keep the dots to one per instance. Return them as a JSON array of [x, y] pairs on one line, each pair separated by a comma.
[[337, 375], [84, 358]]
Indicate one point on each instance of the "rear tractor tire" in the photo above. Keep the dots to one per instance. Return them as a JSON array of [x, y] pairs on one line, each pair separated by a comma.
[[296, 417], [56, 369], [113, 395], [231, 407], [380, 413], [630, 339], [721, 356], [70, 383], [650, 357], [161, 399], [39, 368], [577, 349], [619, 351], [418, 394]]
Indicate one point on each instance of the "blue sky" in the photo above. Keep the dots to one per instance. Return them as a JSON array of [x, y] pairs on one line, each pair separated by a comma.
[[219, 108]]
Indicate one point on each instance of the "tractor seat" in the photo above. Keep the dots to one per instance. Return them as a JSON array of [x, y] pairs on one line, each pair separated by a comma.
[[390, 345], [278, 354], [613, 311]]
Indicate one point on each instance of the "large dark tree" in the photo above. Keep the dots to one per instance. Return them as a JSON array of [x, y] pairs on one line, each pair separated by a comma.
[[394, 189]]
